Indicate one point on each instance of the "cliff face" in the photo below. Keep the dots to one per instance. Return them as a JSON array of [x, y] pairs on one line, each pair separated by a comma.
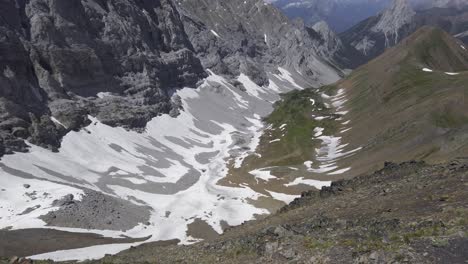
[[252, 37], [122, 60], [117, 60]]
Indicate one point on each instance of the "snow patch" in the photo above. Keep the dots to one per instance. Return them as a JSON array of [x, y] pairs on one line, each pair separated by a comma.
[[452, 73], [314, 183], [104, 95], [286, 198], [287, 76], [56, 121], [215, 33], [339, 171], [263, 174]]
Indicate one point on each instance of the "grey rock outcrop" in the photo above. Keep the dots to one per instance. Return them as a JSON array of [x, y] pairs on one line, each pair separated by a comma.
[[96, 211], [332, 47], [117, 60], [252, 37]]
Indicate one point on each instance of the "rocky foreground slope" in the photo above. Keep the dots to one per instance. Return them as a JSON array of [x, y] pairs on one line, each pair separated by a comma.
[[404, 213]]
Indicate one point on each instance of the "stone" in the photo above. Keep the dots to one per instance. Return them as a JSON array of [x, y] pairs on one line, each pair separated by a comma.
[[271, 248]]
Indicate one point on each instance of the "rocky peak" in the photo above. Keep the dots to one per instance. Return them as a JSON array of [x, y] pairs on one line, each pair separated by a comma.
[[332, 42], [393, 19], [323, 28]]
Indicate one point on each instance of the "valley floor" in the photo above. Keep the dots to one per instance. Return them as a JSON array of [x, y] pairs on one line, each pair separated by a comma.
[[405, 213]]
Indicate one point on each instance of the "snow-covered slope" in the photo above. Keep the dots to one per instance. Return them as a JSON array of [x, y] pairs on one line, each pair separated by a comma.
[[172, 169]]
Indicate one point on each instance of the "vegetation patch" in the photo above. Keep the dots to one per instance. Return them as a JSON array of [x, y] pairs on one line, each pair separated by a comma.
[[449, 118], [292, 126]]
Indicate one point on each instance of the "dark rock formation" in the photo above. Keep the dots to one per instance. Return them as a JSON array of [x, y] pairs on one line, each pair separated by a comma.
[[96, 211], [117, 60], [122, 60]]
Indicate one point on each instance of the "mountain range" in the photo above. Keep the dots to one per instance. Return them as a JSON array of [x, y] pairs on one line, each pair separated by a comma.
[[405, 104], [343, 14], [122, 61], [339, 14], [375, 34], [146, 126]]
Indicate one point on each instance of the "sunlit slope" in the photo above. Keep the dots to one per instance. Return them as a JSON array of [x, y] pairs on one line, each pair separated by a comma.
[[409, 103]]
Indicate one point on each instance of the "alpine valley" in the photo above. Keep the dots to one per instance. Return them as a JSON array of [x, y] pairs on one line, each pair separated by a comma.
[[211, 131]]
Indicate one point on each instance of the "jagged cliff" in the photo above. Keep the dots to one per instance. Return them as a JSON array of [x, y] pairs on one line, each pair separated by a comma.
[[117, 60], [121, 61]]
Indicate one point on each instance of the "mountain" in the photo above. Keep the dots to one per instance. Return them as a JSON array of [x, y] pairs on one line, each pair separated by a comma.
[[375, 34], [121, 61], [343, 14], [261, 32], [330, 46], [164, 122], [424, 4], [340, 14], [120, 120], [406, 104]]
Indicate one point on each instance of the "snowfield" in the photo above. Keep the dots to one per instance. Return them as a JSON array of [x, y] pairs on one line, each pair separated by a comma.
[[173, 167]]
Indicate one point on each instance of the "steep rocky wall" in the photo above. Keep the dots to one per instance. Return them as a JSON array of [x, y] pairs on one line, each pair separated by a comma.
[[117, 60], [253, 37], [122, 60]]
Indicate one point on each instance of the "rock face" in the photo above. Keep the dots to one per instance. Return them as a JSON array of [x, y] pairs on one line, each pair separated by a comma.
[[332, 41], [332, 47], [253, 38], [117, 60], [392, 20], [121, 61], [374, 35]]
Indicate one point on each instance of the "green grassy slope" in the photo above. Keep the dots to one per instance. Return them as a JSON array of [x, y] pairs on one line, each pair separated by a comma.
[[397, 112], [401, 112]]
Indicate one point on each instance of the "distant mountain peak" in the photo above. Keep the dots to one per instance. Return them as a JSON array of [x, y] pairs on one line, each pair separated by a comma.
[[393, 19], [321, 26], [332, 42]]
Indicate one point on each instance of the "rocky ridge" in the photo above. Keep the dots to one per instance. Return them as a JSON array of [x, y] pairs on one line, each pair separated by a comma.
[[376, 34], [340, 14]]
